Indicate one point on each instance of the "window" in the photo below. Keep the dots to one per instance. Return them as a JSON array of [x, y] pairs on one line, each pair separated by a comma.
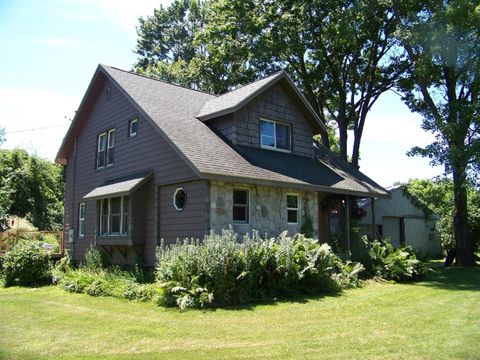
[[133, 127], [240, 206], [274, 135], [81, 220], [105, 148], [113, 216], [292, 209], [179, 199]]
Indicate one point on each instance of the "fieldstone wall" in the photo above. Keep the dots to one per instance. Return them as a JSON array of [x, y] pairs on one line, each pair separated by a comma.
[[267, 211]]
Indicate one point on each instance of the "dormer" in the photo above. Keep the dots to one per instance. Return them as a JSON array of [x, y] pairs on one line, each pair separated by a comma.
[[269, 114]]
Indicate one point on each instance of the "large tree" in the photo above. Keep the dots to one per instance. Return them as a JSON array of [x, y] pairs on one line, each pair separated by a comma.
[[342, 54], [31, 187], [442, 41]]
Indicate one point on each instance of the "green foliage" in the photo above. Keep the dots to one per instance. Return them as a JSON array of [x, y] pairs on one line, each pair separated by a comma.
[[31, 188], [340, 53], [223, 271], [437, 197], [93, 259], [105, 282], [382, 260], [307, 221], [26, 264]]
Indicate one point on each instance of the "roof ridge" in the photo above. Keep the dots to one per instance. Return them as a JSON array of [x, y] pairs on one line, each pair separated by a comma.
[[162, 81], [253, 82]]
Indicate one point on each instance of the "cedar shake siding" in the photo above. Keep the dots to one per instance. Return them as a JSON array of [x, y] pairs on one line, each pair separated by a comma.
[[146, 151], [243, 127], [193, 220]]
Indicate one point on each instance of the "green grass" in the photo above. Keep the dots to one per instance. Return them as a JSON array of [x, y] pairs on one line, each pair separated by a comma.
[[435, 319]]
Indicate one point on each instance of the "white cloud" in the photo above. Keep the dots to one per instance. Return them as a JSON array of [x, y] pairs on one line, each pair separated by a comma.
[[35, 108]]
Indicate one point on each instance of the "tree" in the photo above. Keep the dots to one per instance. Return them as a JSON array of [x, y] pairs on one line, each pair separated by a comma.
[[436, 197], [442, 42], [31, 187], [342, 54]]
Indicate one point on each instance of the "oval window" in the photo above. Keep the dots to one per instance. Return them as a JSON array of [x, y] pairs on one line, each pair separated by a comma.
[[179, 199]]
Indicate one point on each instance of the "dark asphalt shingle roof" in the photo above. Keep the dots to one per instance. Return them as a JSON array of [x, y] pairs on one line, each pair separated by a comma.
[[117, 188], [174, 111]]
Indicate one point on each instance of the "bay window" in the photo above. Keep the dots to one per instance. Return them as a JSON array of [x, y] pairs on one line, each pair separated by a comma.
[[113, 216]]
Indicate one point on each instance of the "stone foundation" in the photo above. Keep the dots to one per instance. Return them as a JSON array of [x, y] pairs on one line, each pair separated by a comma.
[[267, 211]]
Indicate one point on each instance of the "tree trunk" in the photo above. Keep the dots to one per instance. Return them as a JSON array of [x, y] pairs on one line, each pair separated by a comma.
[[463, 245], [356, 149]]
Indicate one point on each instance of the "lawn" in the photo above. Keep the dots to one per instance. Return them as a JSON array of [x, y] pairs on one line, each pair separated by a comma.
[[435, 319]]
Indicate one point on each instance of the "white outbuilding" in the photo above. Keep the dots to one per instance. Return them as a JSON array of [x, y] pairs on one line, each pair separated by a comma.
[[402, 222]]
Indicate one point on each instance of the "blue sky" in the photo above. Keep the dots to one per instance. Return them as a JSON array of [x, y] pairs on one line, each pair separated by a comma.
[[51, 48]]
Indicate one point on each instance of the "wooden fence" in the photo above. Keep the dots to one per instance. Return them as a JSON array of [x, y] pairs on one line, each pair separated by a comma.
[[52, 241]]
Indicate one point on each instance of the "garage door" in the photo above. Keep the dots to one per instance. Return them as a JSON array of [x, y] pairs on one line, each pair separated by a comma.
[[391, 229]]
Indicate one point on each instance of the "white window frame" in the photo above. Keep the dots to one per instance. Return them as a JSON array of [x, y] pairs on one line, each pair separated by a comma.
[[132, 121], [175, 195], [99, 142], [109, 217], [247, 206], [274, 147], [81, 220], [297, 209], [110, 147]]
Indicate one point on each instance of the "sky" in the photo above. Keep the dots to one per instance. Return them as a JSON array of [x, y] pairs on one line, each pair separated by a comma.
[[50, 50]]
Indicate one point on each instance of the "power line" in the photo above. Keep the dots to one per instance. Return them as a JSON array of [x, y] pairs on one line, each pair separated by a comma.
[[35, 129]]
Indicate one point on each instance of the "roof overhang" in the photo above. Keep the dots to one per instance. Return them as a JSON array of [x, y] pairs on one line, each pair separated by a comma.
[[120, 188]]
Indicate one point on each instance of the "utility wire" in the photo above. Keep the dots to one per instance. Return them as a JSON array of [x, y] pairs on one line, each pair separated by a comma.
[[35, 129]]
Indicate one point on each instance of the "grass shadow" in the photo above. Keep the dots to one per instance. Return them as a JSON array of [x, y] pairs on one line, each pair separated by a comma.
[[452, 278], [285, 299]]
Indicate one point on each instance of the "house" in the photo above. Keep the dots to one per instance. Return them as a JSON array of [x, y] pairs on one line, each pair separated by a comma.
[[402, 221], [148, 161]]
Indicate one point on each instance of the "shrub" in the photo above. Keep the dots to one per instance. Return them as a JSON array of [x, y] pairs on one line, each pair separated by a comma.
[[105, 282], [26, 264], [381, 259], [93, 259], [223, 271]]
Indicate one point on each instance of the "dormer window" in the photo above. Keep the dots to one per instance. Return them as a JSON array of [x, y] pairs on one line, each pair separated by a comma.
[[275, 135]]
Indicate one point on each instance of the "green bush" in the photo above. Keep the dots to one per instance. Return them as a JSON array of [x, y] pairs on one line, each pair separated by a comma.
[[381, 259], [111, 281], [27, 264], [93, 259], [223, 271]]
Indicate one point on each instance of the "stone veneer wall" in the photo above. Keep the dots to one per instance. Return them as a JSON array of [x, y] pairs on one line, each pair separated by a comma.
[[268, 208]]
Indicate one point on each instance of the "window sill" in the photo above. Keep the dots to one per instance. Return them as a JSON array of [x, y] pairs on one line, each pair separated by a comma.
[[275, 149], [113, 240]]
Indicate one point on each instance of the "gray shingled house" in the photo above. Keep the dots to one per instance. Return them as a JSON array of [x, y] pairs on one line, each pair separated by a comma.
[[147, 160]]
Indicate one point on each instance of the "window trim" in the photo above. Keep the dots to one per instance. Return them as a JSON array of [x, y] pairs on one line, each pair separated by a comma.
[[297, 209], [108, 232], [247, 206], [130, 122], [108, 148], [175, 195], [81, 220], [275, 122]]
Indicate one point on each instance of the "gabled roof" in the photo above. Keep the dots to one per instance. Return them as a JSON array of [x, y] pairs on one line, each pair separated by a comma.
[[236, 99], [173, 111]]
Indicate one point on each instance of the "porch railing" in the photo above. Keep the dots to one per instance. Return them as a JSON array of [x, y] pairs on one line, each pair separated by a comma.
[[51, 241]]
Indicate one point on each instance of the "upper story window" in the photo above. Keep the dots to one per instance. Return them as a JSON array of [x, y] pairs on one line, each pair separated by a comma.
[[133, 127], [275, 135], [292, 209], [105, 148], [240, 205]]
